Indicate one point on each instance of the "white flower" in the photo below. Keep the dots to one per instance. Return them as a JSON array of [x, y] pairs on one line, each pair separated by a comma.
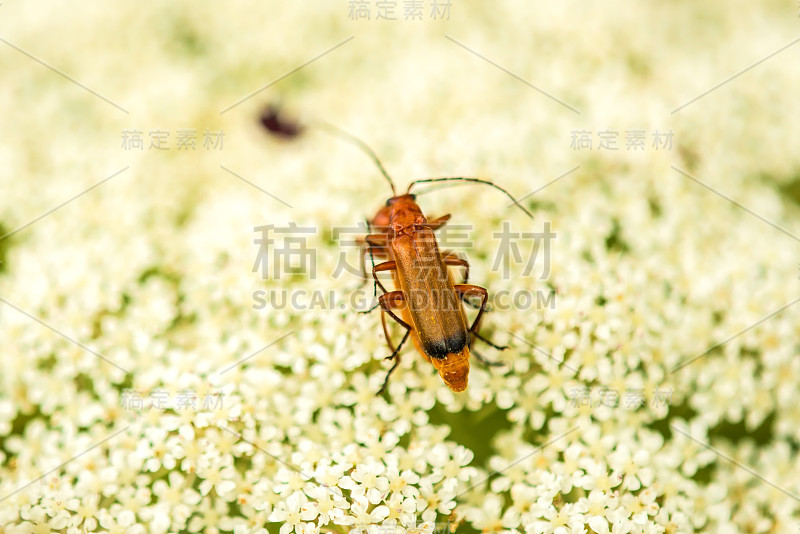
[[329, 504], [214, 474], [178, 498], [402, 482], [660, 284], [157, 449], [36, 520], [86, 511], [208, 516], [433, 500], [295, 513], [490, 517], [568, 520], [289, 481], [402, 509], [362, 513], [124, 523], [366, 480], [451, 466], [597, 507], [634, 467]]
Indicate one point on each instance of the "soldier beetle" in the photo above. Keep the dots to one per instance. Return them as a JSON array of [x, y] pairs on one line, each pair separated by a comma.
[[428, 301]]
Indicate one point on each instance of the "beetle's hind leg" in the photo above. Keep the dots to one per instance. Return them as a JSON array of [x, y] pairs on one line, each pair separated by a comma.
[[468, 290], [485, 340], [464, 291], [480, 357], [387, 301], [396, 357], [486, 362]]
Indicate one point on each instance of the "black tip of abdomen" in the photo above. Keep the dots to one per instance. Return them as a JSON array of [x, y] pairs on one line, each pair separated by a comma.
[[440, 348]]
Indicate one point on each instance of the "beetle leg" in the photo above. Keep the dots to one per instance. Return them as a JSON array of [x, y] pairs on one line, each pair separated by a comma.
[[377, 240], [363, 266], [469, 303], [390, 300], [394, 366], [386, 333], [437, 223], [498, 347], [373, 249], [464, 290], [484, 361], [452, 259], [469, 289], [374, 243], [387, 302], [385, 266], [372, 308]]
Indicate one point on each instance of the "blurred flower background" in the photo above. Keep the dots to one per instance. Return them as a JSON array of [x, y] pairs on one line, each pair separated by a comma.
[[149, 384]]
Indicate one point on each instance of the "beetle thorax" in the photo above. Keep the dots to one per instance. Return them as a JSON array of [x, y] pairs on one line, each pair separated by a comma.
[[405, 214]]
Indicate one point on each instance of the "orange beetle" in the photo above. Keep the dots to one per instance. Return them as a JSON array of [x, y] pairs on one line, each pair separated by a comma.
[[430, 304]]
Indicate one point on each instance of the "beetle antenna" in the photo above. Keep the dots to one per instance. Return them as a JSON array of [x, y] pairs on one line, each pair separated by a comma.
[[471, 180], [432, 188], [347, 136]]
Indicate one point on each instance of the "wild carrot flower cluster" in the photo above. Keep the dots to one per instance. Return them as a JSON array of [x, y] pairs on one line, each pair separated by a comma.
[[144, 389]]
